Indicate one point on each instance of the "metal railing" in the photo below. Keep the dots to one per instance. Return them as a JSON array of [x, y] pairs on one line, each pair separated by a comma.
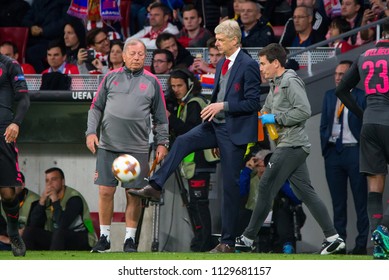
[[89, 83], [312, 48]]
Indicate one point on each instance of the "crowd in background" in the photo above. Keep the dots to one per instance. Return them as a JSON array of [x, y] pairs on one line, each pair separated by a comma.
[[60, 44], [91, 44]]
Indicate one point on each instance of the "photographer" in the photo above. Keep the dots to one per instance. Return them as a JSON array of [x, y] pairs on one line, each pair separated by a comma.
[[60, 220], [184, 105], [94, 60], [287, 214]]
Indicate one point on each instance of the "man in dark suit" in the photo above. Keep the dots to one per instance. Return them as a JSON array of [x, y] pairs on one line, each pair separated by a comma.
[[230, 122], [339, 134]]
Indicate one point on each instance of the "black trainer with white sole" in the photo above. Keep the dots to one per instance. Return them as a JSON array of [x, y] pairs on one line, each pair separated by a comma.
[[102, 246], [242, 244], [130, 246], [333, 247]]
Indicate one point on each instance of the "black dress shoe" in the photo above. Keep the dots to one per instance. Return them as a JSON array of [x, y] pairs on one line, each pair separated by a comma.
[[146, 192], [223, 248]]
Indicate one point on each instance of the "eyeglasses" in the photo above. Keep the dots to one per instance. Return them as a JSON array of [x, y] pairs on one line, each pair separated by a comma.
[[299, 17], [158, 61], [101, 41]]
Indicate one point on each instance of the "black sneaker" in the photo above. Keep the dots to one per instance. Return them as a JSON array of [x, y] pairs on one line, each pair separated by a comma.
[[129, 246], [18, 246], [102, 246], [333, 247], [243, 244]]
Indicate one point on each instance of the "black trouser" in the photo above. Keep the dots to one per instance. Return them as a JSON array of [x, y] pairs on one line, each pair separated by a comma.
[[199, 210]]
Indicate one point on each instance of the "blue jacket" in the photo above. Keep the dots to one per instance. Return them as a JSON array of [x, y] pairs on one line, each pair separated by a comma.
[[328, 113], [243, 98]]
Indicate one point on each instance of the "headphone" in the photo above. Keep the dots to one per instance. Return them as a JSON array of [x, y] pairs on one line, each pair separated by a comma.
[[189, 81], [189, 77]]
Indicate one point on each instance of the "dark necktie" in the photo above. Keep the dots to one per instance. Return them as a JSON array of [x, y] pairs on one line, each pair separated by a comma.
[[225, 66]]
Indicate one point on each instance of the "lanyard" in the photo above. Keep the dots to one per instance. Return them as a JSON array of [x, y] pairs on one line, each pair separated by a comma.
[[340, 110]]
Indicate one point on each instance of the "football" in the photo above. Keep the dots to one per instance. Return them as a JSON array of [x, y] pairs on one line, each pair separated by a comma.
[[126, 168]]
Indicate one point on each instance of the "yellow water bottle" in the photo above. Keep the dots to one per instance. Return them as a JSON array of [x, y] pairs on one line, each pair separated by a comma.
[[271, 130]]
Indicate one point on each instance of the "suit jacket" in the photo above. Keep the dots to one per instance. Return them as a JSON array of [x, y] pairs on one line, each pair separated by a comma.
[[328, 113], [243, 98]]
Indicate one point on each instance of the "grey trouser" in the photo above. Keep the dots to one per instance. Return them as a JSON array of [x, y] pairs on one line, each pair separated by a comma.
[[288, 163]]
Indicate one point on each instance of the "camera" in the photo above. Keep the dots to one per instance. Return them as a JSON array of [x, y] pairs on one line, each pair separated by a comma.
[[91, 55]]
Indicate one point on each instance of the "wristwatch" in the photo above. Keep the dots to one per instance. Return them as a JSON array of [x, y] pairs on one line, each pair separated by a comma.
[[166, 145]]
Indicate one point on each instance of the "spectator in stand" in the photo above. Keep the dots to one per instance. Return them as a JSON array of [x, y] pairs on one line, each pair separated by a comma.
[[182, 57], [331, 7], [338, 26], [320, 23], [192, 34], [115, 57], [61, 219], [10, 49], [200, 66], [352, 11], [236, 7], [56, 57], [256, 31], [13, 12], [138, 15], [215, 11], [159, 22], [385, 7], [374, 12], [277, 12], [305, 34], [26, 198], [97, 40], [162, 62], [74, 38], [45, 20]]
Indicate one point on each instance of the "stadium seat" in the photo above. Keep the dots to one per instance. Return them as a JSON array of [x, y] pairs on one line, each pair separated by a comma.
[[125, 6], [278, 30], [17, 35]]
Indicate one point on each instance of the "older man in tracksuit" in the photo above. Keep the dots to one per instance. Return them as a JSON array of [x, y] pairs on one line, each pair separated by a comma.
[[124, 102]]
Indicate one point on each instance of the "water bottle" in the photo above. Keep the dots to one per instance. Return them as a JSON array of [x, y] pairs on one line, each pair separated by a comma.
[[271, 130]]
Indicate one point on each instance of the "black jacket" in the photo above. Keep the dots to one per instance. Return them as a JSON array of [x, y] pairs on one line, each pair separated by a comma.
[[259, 36]]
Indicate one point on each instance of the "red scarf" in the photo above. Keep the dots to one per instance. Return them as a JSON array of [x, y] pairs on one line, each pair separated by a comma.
[[152, 35]]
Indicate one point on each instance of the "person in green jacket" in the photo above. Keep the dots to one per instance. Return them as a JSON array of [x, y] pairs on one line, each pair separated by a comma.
[[185, 103], [60, 220]]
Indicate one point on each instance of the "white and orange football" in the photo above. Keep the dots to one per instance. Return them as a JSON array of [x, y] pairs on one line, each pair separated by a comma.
[[126, 168]]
